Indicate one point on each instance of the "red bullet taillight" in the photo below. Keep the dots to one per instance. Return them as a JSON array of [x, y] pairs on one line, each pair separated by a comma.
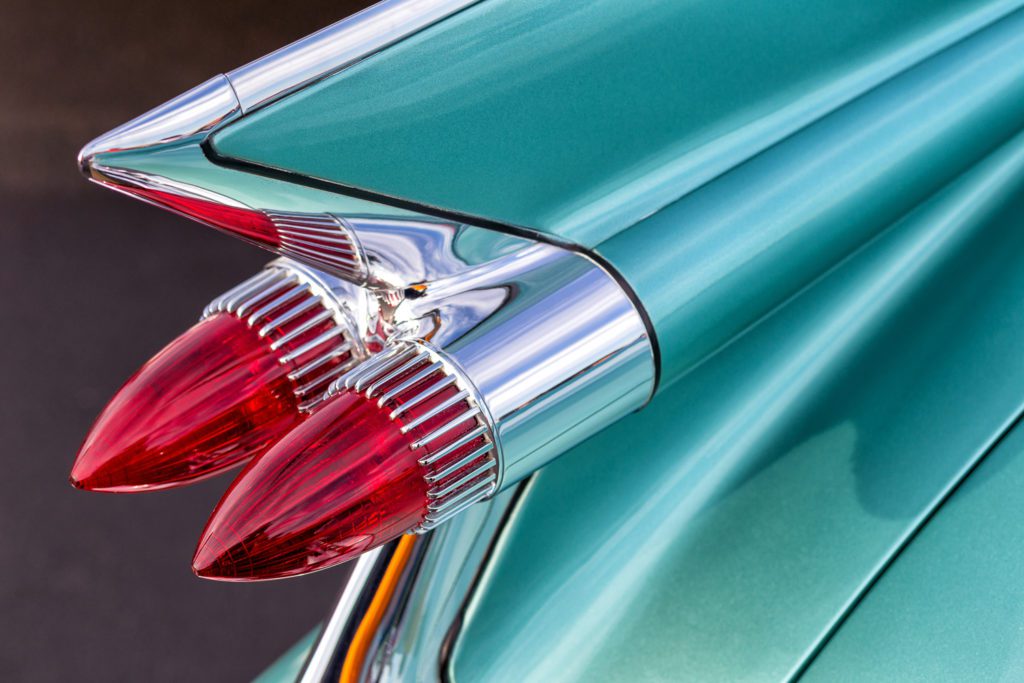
[[487, 335], [227, 389], [402, 445]]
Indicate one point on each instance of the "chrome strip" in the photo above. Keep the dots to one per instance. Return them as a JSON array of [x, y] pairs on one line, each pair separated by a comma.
[[195, 114], [552, 345], [333, 48], [190, 116], [323, 653]]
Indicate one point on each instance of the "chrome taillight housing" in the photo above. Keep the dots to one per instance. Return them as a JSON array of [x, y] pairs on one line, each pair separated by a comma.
[[460, 359]]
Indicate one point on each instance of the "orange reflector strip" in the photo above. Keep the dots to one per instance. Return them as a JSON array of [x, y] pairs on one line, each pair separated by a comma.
[[375, 613]]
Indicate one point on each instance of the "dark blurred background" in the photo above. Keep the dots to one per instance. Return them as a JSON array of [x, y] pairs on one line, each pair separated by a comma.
[[98, 587]]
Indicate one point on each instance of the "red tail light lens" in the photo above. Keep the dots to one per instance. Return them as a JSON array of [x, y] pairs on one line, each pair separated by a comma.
[[243, 222], [227, 389], [319, 239], [403, 446]]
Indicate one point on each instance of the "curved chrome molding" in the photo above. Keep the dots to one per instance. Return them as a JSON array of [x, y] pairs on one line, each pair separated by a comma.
[[189, 117], [322, 239], [336, 47], [193, 115], [361, 583], [544, 345], [552, 345]]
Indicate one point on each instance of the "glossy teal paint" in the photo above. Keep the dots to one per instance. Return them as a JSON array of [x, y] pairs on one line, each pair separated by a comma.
[[952, 605], [580, 119], [714, 262], [721, 532], [709, 265]]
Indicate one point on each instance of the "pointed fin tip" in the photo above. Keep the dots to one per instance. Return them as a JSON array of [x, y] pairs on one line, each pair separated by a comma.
[[190, 116]]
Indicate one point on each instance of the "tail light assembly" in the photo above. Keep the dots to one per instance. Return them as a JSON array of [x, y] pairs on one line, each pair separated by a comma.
[[320, 240], [254, 367], [393, 369], [400, 446], [486, 379]]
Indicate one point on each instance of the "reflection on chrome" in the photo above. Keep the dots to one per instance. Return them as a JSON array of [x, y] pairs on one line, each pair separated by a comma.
[[225, 97], [189, 117], [548, 341], [551, 343], [336, 47]]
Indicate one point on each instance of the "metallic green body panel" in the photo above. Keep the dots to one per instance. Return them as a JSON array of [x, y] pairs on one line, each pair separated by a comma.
[[579, 119], [714, 262], [952, 605], [721, 532]]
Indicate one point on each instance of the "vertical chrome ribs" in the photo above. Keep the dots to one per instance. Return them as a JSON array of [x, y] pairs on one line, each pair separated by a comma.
[[319, 238], [423, 391], [304, 323]]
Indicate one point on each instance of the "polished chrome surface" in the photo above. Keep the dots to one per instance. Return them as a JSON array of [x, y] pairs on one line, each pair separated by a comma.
[[408, 251], [403, 379], [553, 345], [124, 179], [546, 341], [321, 238], [384, 253], [541, 341], [195, 114], [452, 562], [333, 48], [190, 116], [445, 565], [278, 298], [359, 581]]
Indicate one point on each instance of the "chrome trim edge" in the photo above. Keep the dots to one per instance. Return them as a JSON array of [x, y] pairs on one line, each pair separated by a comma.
[[189, 117], [552, 344], [359, 581], [543, 342], [276, 298], [454, 484], [195, 114], [335, 47]]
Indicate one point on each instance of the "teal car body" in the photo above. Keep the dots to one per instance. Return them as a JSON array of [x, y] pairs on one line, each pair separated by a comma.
[[819, 207], [730, 135]]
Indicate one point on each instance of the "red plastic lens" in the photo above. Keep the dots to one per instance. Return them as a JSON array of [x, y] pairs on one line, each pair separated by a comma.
[[345, 481], [218, 394], [211, 398], [315, 238], [239, 221]]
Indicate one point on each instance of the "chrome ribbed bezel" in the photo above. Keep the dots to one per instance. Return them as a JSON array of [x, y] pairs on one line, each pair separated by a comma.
[[403, 379], [322, 239], [288, 300]]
